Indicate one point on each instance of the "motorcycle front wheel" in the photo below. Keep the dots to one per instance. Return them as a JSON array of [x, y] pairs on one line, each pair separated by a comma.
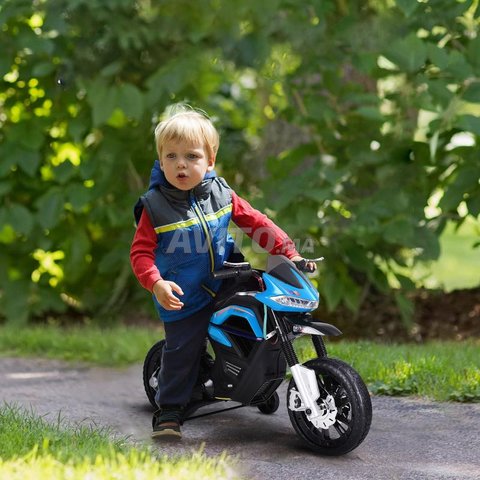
[[345, 406]]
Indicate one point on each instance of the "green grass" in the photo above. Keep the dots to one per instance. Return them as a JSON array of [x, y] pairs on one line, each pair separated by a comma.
[[31, 448], [115, 346], [442, 371]]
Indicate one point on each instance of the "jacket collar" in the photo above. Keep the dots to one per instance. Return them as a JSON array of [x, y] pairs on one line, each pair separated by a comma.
[[158, 180]]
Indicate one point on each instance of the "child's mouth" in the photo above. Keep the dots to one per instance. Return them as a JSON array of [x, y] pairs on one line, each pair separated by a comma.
[[182, 175]]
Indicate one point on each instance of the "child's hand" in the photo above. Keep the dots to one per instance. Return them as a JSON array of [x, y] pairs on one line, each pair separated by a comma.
[[163, 291], [309, 266]]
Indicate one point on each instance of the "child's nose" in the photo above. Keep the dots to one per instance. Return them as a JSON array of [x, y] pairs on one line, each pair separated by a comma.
[[181, 163]]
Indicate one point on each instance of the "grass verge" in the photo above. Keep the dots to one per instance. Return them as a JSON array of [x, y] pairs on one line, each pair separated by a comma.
[[31, 448], [442, 371], [115, 346]]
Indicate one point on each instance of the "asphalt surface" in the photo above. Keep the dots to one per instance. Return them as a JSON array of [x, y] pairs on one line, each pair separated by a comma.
[[409, 439]]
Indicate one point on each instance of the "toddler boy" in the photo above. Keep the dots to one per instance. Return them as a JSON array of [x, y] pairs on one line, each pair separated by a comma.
[[181, 238]]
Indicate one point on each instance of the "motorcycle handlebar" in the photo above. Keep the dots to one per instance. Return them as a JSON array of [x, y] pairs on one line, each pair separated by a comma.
[[302, 264], [231, 273]]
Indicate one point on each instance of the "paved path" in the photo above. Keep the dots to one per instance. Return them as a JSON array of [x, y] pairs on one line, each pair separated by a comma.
[[409, 439]]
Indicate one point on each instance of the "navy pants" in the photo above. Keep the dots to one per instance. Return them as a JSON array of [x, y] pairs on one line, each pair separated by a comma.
[[184, 344]]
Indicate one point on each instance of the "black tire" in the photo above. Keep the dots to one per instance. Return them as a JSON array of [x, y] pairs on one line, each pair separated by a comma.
[[271, 405], [151, 367], [353, 404]]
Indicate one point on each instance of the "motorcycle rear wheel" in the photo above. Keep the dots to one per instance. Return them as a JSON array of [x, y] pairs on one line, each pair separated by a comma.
[[151, 367], [352, 402]]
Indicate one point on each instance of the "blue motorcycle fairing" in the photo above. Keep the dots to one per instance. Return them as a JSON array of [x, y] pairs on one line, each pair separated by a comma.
[[218, 318], [276, 287], [216, 334]]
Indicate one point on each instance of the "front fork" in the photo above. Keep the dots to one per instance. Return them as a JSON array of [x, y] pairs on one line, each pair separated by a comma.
[[305, 378]]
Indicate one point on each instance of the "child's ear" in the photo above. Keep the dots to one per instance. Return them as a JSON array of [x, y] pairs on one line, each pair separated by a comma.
[[211, 163]]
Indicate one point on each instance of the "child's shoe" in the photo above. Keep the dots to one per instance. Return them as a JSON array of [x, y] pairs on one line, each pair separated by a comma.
[[166, 422]]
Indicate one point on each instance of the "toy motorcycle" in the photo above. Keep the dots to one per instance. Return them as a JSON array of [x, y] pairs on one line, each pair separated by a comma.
[[257, 316]]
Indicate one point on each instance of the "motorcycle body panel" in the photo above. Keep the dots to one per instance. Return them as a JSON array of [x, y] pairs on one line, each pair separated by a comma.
[[247, 368], [275, 288]]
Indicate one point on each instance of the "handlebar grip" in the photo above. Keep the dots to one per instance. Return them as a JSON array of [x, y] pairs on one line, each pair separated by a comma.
[[231, 273], [224, 274]]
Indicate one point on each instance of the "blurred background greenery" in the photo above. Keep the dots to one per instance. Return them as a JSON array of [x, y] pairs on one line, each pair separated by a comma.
[[355, 125]]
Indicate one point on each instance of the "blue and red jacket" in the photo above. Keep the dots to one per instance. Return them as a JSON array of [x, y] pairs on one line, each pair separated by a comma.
[[182, 237]]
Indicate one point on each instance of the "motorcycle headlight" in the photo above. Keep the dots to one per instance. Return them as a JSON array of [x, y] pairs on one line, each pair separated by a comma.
[[295, 302]]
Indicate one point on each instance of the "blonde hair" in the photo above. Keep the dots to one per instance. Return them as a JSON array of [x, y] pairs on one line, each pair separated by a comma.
[[184, 123]]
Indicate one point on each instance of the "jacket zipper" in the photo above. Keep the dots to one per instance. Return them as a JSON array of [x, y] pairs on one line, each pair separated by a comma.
[[206, 230]]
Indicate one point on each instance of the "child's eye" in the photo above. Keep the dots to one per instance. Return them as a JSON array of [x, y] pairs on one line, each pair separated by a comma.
[[192, 156], [170, 155]]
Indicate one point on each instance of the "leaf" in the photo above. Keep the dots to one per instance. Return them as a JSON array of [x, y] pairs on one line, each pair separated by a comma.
[[47, 301], [469, 123], [5, 187], [398, 231], [22, 147], [458, 66], [472, 54], [379, 279], [251, 50], [103, 99], [5, 65], [64, 172], [405, 282], [112, 259], [174, 74], [409, 53], [307, 213], [472, 93], [112, 69], [473, 205], [26, 135], [288, 159], [464, 181], [352, 296], [14, 302], [439, 92], [20, 218], [406, 308], [77, 128], [50, 207], [428, 241], [407, 6], [320, 195], [43, 69], [130, 100], [371, 113], [78, 246], [438, 56], [79, 196], [332, 289]]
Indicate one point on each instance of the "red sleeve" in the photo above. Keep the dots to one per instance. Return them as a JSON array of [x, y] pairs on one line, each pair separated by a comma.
[[261, 229], [142, 253]]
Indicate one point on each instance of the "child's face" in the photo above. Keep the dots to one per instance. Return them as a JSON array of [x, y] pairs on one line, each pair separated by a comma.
[[185, 164]]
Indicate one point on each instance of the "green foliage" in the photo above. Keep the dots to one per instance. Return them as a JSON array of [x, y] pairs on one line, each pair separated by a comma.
[[386, 99], [350, 121], [83, 84]]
